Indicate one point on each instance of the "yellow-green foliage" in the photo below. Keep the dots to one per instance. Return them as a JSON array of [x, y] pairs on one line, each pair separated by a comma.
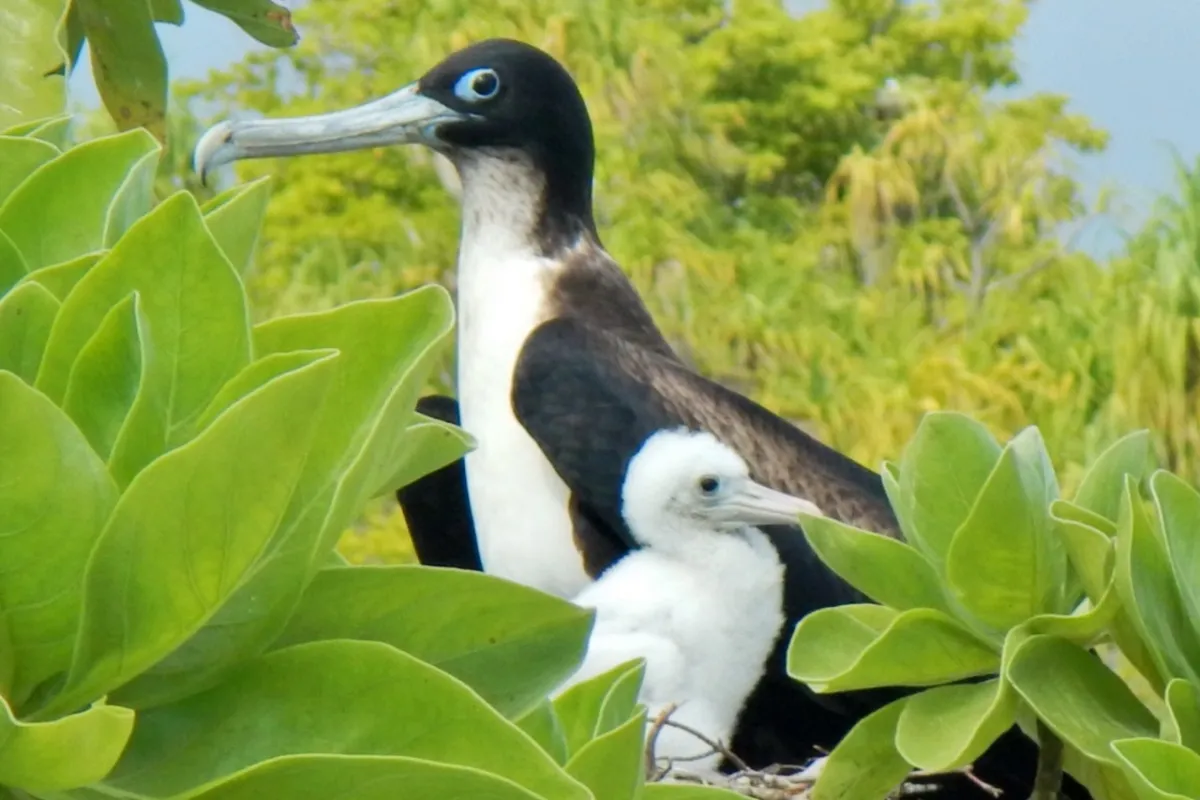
[[850, 251]]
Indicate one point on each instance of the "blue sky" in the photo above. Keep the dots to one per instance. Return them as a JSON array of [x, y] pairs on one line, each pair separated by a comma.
[[1119, 62]]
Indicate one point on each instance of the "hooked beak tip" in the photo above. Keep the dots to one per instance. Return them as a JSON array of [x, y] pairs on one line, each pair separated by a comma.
[[213, 149]]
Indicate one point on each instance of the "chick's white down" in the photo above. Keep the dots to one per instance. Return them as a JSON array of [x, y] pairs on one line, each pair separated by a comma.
[[702, 599]]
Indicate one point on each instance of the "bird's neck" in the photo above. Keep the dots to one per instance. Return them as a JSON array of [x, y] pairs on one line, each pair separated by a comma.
[[509, 199]]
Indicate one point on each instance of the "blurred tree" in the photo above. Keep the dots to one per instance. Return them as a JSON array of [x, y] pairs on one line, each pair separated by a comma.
[[828, 212]]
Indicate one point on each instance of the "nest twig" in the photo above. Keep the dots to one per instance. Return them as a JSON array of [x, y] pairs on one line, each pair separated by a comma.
[[777, 782]]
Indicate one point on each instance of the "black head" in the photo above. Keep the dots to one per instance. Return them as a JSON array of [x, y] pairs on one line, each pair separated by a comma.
[[496, 98]]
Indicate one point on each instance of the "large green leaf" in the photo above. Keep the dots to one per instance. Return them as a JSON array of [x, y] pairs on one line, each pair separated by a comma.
[[269, 23], [1072, 691], [1004, 564], [134, 199], [19, 157], [196, 328], [72, 196], [55, 497], [1148, 590], [64, 753], [387, 348], [1181, 722], [1160, 770], [612, 765], [865, 646], [236, 221], [127, 61], [321, 777], [12, 265], [865, 765], [428, 445], [1179, 510], [508, 642], [1101, 488], [948, 727], [885, 570], [187, 530], [28, 47], [602, 703], [105, 379], [942, 470], [337, 697], [26, 315], [60, 279]]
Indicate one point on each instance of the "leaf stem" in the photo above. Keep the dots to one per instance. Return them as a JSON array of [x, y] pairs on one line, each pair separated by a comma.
[[1048, 781]]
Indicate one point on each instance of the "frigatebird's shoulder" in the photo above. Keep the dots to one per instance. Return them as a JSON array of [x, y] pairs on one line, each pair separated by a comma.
[[582, 393]]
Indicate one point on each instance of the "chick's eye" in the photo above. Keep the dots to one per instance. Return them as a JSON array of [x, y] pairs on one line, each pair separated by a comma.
[[709, 485], [478, 85]]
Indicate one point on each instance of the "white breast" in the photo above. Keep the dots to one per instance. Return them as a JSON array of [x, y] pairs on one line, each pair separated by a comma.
[[518, 502]]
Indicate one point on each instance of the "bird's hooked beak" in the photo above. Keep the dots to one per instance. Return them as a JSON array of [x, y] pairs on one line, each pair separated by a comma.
[[403, 117], [755, 504]]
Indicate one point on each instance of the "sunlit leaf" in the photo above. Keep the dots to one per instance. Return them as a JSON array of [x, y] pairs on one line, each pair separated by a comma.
[[65, 753], [127, 61], [26, 314], [865, 764]]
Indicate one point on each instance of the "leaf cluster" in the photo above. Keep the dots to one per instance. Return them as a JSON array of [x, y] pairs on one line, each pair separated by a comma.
[[998, 603], [174, 621]]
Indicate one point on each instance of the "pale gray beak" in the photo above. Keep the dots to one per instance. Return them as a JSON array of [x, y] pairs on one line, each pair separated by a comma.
[[755, 504], [403, 117]]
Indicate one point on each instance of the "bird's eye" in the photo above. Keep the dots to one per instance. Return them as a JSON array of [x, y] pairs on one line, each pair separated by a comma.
[[478, 85], [709, 485]]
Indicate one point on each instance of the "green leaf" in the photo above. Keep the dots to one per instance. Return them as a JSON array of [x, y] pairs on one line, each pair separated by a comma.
[[104, 381], [196, 328], [887, 571], [865, 646], [1089, 550], [677, 791], [594, 707], [1179, 510], [133, 200], [1101, 488], [60, 279], [53, 131], [1004, 564], [510, 643], [53, 489], [1102, 780], [948, 727], [71, 196], [1182, 720], [26, 314], [890, 473], [942, 471], [168, 11], [320, 777], [337, 697], [236, 221], [1149, 592], [542, 725], [1079, 698], [1160, 770], [865, 765], [128, 62], [19, 157], [187, 530], [387, 348], [429, 445], [267, 22], [65, 753], [12, 265], [612, 765]]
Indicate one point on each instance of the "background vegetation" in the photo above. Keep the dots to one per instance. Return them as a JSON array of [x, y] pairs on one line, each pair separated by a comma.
[[832, 213]]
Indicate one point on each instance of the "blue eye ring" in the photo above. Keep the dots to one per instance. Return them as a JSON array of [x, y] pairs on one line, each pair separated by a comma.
[[478, 85]]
